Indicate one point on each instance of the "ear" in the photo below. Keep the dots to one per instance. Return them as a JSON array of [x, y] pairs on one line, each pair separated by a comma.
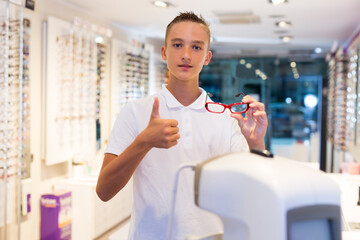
[[163, 52], [208, 58]]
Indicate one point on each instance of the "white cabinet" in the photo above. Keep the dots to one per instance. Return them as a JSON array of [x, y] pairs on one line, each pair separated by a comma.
[[92, 217]]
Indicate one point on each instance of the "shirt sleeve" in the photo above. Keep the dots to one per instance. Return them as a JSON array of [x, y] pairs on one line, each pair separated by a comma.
[[123, 132], [238, 141]]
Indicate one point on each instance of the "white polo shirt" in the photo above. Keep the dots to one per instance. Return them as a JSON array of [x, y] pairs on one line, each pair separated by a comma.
[[203, 135]]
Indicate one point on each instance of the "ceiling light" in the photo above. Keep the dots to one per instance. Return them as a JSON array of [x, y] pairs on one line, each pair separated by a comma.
[[99, 39], [317, 50], [293, 64], [283, 24], [248, 65], [277, 2], [286, 38], [310, 100], [242, 61], [161, 4]]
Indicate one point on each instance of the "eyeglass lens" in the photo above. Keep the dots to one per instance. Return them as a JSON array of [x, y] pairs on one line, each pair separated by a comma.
[[216, 108], [239, 108]]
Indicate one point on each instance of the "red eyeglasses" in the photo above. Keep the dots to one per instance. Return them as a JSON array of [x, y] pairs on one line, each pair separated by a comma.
[[214, 107]]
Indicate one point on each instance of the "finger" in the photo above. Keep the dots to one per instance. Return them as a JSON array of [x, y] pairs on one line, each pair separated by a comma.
[[155, 110], [253, 103], [171, 144], [257, 105], [248, 99], [260, 115], [173, 130], [174, 137], [172, 122]]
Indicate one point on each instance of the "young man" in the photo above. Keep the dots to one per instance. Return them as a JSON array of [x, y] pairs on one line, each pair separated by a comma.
[[145, 141]]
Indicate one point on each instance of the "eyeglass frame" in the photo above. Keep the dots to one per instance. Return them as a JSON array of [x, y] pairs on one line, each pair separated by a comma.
[[227, 106]]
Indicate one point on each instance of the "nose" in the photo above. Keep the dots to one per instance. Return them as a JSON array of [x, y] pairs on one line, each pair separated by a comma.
[[186, 54]]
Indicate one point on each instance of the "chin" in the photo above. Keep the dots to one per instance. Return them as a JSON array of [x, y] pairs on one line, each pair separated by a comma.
[[188, 77]]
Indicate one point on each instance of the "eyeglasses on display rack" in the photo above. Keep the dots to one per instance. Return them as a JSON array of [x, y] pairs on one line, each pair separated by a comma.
[[236, 108]]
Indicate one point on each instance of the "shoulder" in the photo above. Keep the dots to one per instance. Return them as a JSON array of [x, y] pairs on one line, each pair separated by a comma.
[[140, 104], [139, 109], [134, 114]]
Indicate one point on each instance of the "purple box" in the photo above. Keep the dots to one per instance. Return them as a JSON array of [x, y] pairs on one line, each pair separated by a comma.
[[56, 216]]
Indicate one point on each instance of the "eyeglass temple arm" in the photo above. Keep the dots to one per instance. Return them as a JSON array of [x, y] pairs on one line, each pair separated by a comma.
[[210, 95], [239, 94]]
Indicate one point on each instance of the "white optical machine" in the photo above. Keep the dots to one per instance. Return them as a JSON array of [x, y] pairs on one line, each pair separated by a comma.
[[261, 197]]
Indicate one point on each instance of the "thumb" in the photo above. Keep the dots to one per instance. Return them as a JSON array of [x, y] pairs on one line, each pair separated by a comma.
[[155, 110], [239, 118]]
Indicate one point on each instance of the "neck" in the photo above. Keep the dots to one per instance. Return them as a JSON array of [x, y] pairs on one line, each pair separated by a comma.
[[185, 92]]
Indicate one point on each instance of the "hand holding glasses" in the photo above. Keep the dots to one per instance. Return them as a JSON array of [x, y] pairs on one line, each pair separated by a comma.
[[236, 108]]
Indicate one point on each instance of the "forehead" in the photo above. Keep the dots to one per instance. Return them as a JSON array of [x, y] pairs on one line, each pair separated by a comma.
[[189, 31]]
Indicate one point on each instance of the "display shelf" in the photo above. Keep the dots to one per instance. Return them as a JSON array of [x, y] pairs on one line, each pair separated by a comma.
[[331, 97], [100, 92], [130, 74], [340, 98], [351, 98], [14, 110], [343, 105], [74, 91]]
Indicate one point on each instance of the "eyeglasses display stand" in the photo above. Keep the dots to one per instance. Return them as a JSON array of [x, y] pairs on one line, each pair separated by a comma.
[[73, 90], [351, 96], [343, 107], [337, 109], [129, 74], [14, 110]]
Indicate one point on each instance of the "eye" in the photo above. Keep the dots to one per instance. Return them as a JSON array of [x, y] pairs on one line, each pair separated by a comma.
[[196, 47], [177, 45]]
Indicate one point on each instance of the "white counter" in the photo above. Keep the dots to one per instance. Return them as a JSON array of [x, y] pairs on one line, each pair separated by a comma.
[[90, 216], [349, 186]]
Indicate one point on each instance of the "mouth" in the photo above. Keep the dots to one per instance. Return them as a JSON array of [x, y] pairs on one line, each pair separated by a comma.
[[185, 66]]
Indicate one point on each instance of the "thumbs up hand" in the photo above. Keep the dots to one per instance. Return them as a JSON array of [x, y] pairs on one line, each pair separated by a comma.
[[160, 133]]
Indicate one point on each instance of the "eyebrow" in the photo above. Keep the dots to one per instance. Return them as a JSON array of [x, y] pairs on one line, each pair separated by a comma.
[[181, 40], [199, 42]]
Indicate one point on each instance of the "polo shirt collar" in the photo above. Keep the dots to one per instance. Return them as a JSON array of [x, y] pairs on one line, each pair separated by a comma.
[[172, 102]]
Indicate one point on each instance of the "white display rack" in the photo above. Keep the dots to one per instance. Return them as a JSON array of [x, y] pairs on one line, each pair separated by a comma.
[[73, 90], [14, 109], [351, 98], [343, 106]]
